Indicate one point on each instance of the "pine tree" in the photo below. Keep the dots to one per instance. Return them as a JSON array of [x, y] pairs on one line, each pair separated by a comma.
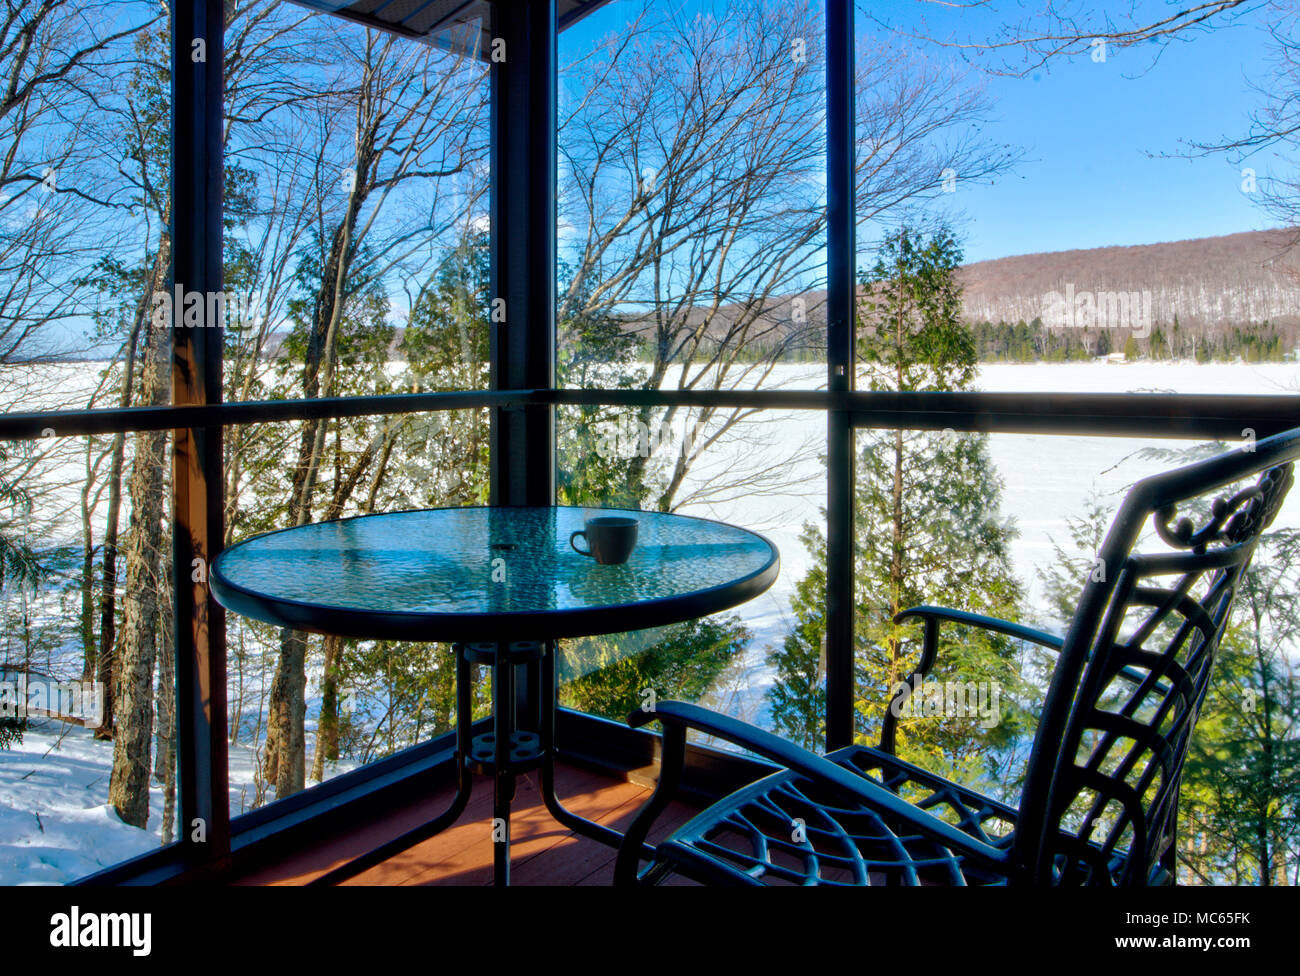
[[19, 564], [1241, 795], [927, 528], [798, 699]]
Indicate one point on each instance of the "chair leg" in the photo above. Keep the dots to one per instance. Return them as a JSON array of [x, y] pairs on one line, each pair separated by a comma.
[[671, 764]]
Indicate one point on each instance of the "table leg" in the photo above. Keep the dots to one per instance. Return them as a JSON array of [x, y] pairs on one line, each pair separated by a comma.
[[503, 727], [550, 694], [464, 784]]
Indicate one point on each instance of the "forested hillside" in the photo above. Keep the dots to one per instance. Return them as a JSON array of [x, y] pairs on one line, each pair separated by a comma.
[[1206, 282]]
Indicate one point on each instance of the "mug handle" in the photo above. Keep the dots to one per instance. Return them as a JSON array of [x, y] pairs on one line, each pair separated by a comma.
[[581, 552]]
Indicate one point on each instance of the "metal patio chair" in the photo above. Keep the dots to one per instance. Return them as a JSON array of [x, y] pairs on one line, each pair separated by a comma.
[[1100, 796]]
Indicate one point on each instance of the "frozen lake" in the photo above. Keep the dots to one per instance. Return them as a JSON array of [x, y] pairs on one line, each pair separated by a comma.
[[1047, 479]]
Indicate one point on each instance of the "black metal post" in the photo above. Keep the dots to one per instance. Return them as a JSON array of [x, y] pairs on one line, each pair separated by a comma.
[[841, 218], [198, 52], [523, 58], [503, 777], [523, 55]]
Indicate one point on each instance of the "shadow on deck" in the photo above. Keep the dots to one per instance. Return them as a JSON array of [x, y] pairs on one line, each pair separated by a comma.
[[542, 851]]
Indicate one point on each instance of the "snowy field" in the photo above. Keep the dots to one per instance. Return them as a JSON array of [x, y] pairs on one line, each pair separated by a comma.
[[55, 824]]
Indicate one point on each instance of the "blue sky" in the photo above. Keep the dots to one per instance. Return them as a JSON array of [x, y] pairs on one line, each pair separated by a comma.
[[1101, 141], [1093, 135]]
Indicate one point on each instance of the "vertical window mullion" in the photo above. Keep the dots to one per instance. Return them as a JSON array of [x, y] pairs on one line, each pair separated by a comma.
[[840, 249], [197, 177]]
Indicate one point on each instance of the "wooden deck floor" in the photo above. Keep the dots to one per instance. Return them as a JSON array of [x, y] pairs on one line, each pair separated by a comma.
[[542, 851]]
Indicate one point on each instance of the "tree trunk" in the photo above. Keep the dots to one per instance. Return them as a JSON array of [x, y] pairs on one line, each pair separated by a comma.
[[164, 770], [285, 759], [166, 736], [327, 730], [237, 711], [896, 563], [87, 578], [106, 665], [285, 736], [128, 789]]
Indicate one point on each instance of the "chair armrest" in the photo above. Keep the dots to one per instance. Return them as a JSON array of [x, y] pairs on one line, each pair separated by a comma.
[[933, 615], [995, 624], [858, 788], [930, 650]]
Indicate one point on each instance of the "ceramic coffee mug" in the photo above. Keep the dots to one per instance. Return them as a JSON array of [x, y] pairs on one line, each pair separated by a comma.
[[610, 538]]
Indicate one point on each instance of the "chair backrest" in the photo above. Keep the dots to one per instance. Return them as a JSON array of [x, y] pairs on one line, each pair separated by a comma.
[[1099, 804]]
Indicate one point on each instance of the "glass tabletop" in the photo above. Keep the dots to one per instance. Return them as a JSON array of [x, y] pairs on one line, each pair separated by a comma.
[[489, 574]]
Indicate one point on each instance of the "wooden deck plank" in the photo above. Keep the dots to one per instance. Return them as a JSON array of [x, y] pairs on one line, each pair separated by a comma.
[[316, 860], [601, 864], [543, 852], [578, 856], [533, 831]]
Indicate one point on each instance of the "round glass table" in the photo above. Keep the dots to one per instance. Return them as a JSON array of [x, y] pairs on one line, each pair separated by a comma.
[[502, 585]]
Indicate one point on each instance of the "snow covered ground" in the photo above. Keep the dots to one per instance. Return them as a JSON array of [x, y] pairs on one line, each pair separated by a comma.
[[55, 821], [55, 824]]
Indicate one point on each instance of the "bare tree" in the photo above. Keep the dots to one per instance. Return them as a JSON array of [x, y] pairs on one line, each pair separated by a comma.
[[1274, 130], [1027, 40], [1060, 29], [54, 55], [413, 127], [255, 39], [57, 59], [128, 790], [691, 202]]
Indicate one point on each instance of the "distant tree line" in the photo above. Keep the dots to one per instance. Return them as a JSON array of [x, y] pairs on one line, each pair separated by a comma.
[[1034, 342], [1028, 342]]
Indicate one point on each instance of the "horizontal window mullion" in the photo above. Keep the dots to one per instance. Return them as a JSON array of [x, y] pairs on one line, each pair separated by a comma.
[[1092, 414], [75, 423]]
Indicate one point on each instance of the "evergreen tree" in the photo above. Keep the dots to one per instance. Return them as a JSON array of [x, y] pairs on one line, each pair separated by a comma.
[[611, 674], [928, 529], [798, 698], [1240, 804], [19, 564], [595, 351]]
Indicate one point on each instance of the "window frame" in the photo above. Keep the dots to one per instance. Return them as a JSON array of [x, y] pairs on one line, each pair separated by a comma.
[[523, 399]]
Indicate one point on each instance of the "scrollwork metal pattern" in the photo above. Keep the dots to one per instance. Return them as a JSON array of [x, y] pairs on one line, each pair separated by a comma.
[[1114, 803]]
